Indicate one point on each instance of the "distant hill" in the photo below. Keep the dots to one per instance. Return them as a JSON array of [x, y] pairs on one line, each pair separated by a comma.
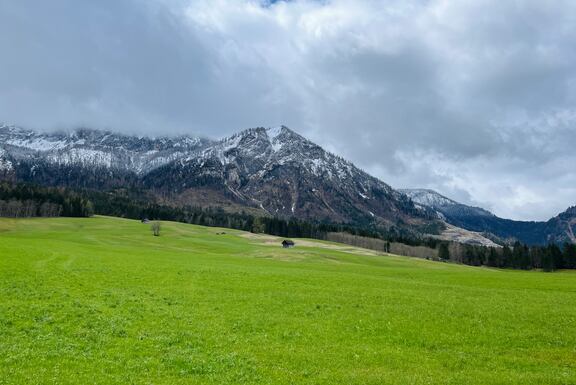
[[557, 230]]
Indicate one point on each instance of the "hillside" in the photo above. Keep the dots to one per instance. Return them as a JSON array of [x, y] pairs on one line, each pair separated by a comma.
[[271, 172], [557, 230], [102, 301], [274, 171]]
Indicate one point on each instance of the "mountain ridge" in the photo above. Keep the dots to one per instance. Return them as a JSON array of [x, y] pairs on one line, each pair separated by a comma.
[[558, 229], [275, 170]]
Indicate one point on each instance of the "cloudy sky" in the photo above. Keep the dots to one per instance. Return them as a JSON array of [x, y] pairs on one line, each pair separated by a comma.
[[473, 98]]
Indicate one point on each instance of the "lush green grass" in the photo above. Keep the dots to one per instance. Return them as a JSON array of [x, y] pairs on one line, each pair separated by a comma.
[[102, 301]]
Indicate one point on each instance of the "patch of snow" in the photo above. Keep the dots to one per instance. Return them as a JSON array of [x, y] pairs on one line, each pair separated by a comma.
[[91, 148], [82, 156], [5, 164], [428, 198], [262, 207], [38, 144], [319, 167], [232, 143], [273, 132], [276, 145], [219, 151]]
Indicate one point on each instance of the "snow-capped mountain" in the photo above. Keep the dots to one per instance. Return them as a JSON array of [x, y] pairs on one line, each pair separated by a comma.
[[273, 170], [558, 229], [287, 175], [445, 207], [95, 149], [5, 164]]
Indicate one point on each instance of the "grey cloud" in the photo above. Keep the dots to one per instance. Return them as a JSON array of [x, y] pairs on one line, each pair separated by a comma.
[[474, 98]]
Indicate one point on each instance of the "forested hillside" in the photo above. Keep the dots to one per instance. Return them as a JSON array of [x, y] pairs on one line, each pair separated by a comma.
[[23, 200]]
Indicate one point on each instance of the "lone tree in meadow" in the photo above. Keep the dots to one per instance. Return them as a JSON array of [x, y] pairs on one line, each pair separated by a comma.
[[156, 229]]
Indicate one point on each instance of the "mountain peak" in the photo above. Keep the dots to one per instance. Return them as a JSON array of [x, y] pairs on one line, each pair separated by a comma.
[[274, 132], [446, 208], [569, 213], [273, 169], [428, 197]]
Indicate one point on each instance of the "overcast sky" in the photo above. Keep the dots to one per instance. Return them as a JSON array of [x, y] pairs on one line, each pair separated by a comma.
[[473, 98]]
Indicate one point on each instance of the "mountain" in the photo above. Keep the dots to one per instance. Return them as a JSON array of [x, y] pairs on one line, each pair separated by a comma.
[[557, 230], [562, 228], [95, 149], [446, 207], [287, 175], [273, 171]]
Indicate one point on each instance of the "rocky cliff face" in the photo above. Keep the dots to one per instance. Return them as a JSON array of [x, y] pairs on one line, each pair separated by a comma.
[[274, 170], [562, 228], [286, 175]]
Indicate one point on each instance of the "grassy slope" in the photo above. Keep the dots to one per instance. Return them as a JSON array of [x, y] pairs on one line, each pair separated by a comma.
[[101, 301]]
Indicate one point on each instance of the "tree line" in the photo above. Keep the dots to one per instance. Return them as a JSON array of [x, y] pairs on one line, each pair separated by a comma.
[[26, 200], [519, 256], [23, 200]]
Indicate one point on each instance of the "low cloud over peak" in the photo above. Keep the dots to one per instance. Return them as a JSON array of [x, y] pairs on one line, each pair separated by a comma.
[[472, 98]]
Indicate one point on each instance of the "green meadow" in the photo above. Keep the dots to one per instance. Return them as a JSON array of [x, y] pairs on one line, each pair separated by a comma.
[[102, 301]]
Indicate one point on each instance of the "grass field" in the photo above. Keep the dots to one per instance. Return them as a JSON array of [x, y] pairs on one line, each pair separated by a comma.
[[102, 301]]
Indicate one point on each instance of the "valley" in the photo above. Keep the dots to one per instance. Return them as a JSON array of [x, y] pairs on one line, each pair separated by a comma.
[[101, 300]]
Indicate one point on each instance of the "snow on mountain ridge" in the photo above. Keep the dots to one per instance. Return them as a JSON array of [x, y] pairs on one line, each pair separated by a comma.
[[37, 144], [259, 150], [278, 146], [273, 132], [273, 169], [5, 164], [93, 148], [283, 173], [445, 207], [428, 197]]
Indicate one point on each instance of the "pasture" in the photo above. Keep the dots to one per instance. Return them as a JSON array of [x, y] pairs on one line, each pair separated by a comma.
[[102, 301]]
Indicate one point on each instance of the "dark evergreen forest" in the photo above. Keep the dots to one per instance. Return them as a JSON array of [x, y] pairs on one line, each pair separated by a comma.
[[27, 200]]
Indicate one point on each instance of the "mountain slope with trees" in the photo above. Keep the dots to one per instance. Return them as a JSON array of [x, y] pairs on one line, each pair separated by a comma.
[[270, 172], [274, 172], [557, 230]]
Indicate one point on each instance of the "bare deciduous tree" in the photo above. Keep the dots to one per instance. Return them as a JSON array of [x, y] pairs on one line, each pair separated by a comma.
[[156, 229]]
